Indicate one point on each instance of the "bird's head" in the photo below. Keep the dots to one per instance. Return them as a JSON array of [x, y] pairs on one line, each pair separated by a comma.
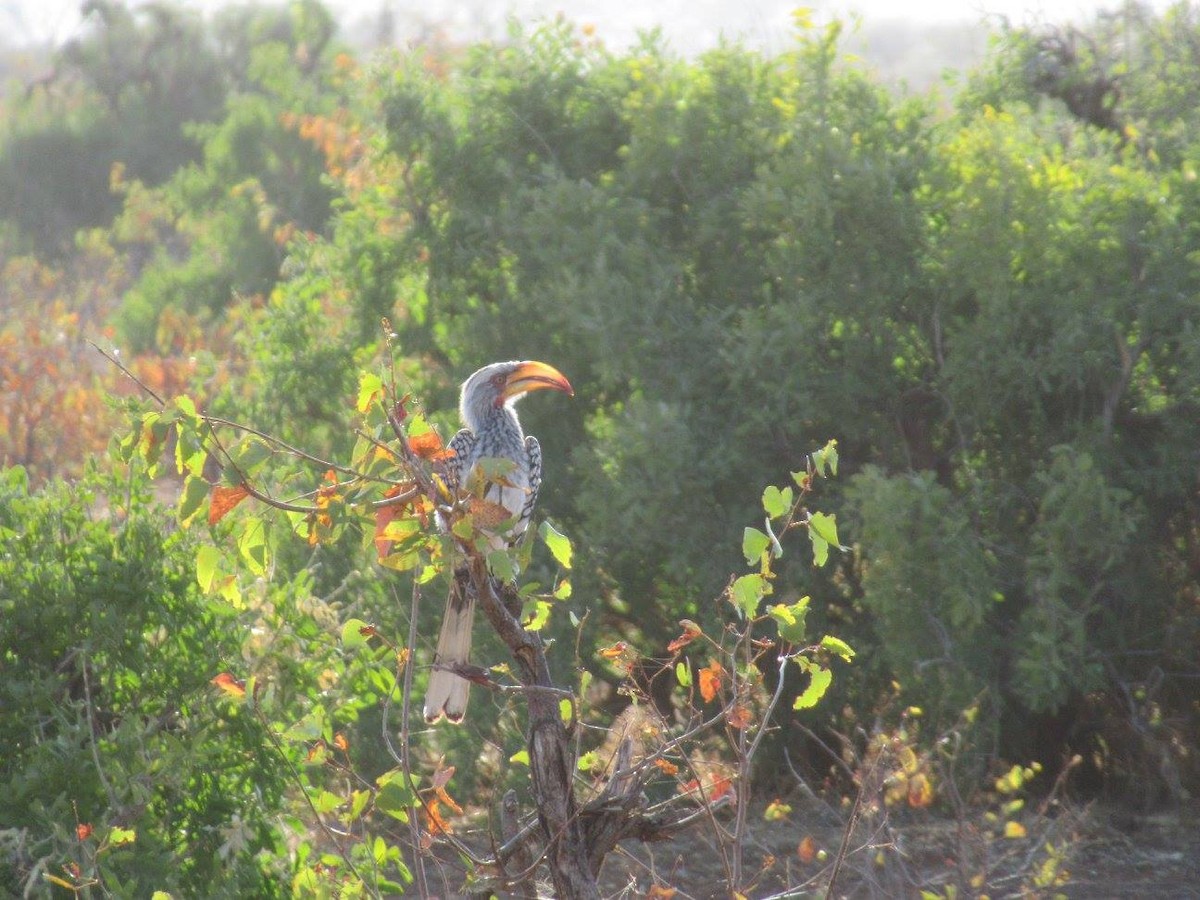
[[504, 383]]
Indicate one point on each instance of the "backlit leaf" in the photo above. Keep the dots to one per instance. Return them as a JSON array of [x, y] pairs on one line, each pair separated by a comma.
[[754, 544], [223, 500], [838, 647], [370, 389], [820, 679], [558, 544], [777, 502], [710, 680], [746, 593]]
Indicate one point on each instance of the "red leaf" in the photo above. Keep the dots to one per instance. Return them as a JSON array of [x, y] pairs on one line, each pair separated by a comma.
[[83, 831], [223, 500], [691, 631]]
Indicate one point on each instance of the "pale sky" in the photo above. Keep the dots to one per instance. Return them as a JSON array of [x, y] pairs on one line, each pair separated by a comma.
[[689, 25]]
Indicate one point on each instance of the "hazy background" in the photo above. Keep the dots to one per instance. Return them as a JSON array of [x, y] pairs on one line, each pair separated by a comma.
[[914, 40]]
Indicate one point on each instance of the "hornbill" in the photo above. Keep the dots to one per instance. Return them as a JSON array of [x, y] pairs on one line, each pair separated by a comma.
[[490, 431]]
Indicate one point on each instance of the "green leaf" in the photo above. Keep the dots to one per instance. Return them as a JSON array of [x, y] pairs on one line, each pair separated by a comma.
[[563, 591], [791, 620], [566, 710], [501, 565], [326, 802], [747, 591], [208, 558], [754, 544], [370, 387], [589, 761], [777, 502], [195, 494], [820, 679], [118, 836], [352, 635], [820, 548], [252, 544], [558, 544], [520, 758], [537, 615], [826, 528], [309, 728], [683, 674], [837, 646], [395, 794], [825, 461]]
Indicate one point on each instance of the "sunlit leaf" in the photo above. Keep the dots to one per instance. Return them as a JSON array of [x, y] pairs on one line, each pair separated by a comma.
[[837, 646], [791, 620], [746, 593], [777, 502], [819, 681], [683, 674], [370, 390], [558, 544], [776, 810], [1014, 830], [520, 758], [355, 633], [754, 544]]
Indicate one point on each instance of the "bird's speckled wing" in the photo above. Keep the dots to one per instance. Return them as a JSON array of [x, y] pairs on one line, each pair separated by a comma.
[[533, 452], [463, 447]]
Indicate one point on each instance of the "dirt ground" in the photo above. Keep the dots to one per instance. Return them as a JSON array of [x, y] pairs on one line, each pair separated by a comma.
[[1099, 853]]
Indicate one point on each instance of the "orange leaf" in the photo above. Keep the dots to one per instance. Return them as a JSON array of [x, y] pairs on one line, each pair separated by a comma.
[[615, 651], [428, 445], [658, 892], [710, 680], [691, 631], [223, 500], [667, 767], [230, 685], [433, 815], [448, 800], [339, 741], [807, 851], [739, 717], [720, 787], [83, 831]]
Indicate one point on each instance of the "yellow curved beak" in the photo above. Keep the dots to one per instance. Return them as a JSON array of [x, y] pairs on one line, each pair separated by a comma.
[[536, 376]]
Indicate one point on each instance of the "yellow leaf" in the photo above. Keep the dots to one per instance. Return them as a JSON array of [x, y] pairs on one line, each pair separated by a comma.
[[1014, 830]]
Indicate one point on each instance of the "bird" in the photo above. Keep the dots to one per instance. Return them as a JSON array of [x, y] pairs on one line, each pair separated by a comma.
[[491, 431]]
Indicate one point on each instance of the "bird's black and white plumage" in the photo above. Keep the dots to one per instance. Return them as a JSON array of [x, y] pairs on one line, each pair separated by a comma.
[[491, 430]]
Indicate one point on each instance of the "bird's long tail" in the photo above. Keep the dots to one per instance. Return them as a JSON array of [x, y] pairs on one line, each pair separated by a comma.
[[448, 693]]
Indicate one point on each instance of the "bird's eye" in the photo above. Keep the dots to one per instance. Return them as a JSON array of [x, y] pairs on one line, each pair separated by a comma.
[[498, 380]]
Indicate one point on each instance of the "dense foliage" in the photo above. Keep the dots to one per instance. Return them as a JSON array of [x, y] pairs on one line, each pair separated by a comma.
[[990, 301]]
